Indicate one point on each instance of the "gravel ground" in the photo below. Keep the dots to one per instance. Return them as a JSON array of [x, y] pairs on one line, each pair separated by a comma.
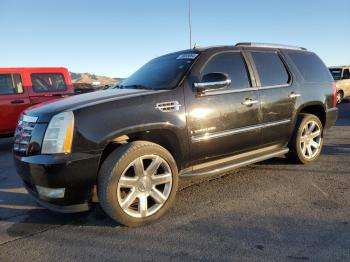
[[271, 211]]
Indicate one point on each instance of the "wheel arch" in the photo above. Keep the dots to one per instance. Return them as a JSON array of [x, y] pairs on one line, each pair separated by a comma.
[[163, 134], [317, 109]]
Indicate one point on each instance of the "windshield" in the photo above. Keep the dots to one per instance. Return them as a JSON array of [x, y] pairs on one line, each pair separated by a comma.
[[163, 72], [336, 73]]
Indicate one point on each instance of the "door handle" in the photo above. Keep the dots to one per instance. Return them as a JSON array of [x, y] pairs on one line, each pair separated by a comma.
[[17, 102], [249, 102], [293, 95]]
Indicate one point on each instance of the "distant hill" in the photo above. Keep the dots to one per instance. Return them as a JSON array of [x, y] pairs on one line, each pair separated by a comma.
[[87, 78]]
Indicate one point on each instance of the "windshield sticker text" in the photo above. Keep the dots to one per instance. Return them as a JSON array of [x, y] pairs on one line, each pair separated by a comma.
[[187, 56]]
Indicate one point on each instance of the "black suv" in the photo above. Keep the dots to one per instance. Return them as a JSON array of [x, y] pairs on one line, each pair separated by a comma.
[[192, 113]]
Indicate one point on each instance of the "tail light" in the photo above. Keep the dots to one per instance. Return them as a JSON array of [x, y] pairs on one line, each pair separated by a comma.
[[334, 94]]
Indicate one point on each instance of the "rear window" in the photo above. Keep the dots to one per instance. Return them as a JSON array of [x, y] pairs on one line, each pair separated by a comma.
[[346, 74], [10, 84], [336, 73], [310, 66], [48, 82], [271, 69]]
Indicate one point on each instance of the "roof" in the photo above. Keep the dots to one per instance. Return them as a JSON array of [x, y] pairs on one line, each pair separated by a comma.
[[31, 68]]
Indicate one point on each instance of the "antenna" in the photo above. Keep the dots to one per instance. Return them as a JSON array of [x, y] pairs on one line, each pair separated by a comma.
[[190, 22]]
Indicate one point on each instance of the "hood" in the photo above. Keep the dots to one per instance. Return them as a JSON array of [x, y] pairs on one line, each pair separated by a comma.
[[46, 110]]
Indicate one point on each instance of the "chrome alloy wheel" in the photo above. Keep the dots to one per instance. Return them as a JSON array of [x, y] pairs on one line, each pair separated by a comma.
[[310, 140], [339, 97], [144, 186]]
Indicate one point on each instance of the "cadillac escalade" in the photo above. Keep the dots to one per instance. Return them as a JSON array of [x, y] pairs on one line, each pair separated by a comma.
[[193, 113]]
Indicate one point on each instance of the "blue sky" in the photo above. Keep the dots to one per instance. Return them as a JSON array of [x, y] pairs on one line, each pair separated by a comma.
[[114, 38]]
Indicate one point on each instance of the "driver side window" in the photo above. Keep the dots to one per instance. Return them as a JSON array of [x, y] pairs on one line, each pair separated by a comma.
[[232, 64]]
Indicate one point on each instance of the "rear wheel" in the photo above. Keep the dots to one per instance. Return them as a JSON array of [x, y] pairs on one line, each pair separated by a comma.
[[307, 141], [137, 183], [340, 96]]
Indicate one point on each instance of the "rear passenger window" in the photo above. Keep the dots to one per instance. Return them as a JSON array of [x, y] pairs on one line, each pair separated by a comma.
[[346, 74], [271, 70], [48, 82], [310, 66], [230, 63], [10, 84]]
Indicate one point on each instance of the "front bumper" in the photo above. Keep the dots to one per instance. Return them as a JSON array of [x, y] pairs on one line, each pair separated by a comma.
[[75, 173], [331, 117]]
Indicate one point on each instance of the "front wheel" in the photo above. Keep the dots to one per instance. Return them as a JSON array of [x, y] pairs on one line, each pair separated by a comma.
[[307, 140], [137, 183]]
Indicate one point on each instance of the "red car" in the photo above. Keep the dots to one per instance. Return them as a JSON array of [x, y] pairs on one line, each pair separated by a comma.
[[23, 87]]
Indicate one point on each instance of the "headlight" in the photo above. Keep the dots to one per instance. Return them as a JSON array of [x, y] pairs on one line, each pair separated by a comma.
[[59, 134]]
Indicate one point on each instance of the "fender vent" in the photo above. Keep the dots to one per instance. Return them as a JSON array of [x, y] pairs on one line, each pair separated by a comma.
[[168, 106]]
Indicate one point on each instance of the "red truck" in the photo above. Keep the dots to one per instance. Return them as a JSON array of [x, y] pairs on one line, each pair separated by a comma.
[[23, 87]]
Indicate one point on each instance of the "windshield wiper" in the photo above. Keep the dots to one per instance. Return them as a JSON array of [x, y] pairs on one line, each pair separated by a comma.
[[134, 87]]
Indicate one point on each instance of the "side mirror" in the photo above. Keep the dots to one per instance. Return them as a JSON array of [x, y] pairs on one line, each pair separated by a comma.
[[213, 81]]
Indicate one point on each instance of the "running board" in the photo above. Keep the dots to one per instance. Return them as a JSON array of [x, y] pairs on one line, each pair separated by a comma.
[[233, 165]]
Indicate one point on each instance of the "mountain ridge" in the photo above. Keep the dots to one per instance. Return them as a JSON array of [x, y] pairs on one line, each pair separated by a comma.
[[88, 78]]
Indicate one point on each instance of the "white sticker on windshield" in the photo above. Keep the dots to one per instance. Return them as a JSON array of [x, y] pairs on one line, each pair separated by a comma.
[[187, 56]]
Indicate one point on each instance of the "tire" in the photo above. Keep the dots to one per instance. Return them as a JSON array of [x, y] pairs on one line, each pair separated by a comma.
[[340, 96], [302, 139], [130, 172]]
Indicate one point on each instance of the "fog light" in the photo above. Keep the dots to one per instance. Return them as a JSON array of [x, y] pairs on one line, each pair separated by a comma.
[[50, 192]]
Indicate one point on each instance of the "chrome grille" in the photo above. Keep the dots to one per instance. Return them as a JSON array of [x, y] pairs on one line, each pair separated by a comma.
[[23, 134]]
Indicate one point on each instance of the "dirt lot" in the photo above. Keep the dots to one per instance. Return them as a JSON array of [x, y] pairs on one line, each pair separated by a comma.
[[271, 211]]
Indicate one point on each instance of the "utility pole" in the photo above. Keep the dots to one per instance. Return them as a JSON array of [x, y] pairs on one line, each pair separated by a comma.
[[190, 22]]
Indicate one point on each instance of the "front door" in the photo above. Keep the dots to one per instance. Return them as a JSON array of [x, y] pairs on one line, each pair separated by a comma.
[[224, 121], [13, 100]]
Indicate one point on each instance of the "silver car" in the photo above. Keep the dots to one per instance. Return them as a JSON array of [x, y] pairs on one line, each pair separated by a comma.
[[341, 75]]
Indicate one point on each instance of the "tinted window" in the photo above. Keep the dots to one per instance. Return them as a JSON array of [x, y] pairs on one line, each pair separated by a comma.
[[48, 82], [346, 74], [230, 63], [270, 68], [310, 66], [10, 84], [163, 72], [336, 73]]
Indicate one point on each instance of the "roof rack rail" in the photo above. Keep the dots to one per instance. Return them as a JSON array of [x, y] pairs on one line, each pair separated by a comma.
[[340, 66], [270, 45]]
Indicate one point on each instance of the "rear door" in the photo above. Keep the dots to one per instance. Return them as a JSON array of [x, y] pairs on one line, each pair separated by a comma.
[[47, 86], [219, 123], [13, 100], [278, 94]]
